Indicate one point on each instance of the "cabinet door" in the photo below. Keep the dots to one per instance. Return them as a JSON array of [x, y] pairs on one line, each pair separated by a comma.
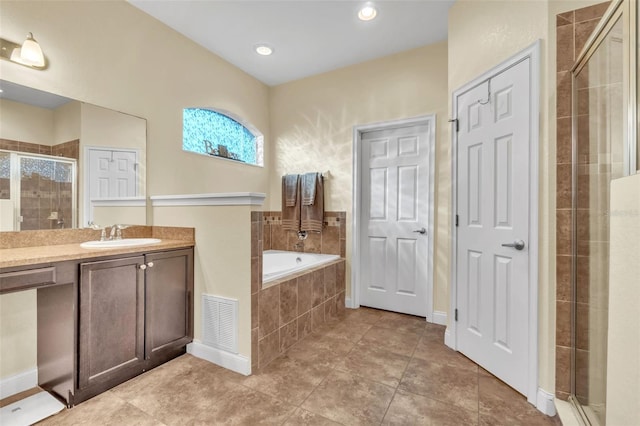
[[169, 301], [111, 320]]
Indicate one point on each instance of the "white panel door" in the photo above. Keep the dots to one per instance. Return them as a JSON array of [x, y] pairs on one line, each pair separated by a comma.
[[394, 241], [112, 173], [493, 210]]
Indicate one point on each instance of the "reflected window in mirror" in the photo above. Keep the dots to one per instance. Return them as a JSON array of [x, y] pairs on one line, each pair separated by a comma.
[[213, 133]]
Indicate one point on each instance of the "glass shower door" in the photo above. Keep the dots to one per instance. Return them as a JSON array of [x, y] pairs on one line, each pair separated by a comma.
[[599, 157], [36, 192], [47, 196]]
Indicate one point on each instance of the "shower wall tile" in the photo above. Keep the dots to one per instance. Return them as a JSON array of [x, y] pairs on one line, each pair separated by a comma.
[[573, 28], [563, 278], [594, 12], [563, 188], [563, 323], [583, 31], [583, 326], [563, 232], [566, 18], [563, 140], [563, 369], [563, 98], [564, 39]]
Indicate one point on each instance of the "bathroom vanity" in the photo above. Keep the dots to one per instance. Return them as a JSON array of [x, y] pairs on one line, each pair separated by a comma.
[[104, 315]]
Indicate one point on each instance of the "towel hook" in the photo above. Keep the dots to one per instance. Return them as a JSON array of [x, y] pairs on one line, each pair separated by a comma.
[[480, 101]]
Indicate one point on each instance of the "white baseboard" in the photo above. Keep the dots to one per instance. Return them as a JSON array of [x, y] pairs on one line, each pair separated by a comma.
[[545, 402], [348, 303], [448, 339], [18, 383], [234, 362], [439, 317]]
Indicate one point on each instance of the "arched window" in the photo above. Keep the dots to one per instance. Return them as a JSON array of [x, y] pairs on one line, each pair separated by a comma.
[[211, 133]]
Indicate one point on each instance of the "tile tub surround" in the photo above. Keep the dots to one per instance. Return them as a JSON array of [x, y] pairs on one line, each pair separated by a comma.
[[289, 309], [332, 239], [572, 29]]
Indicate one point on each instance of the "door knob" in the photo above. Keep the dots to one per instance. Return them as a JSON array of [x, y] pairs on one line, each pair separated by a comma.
[[150, 264], [517, 244], [143, 267], [421, 231]]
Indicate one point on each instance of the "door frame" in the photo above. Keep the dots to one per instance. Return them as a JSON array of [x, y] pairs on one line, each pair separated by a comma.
[[429, 120], [532, 53]]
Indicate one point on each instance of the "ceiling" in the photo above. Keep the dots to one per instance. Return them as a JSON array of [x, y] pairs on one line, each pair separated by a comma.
[[308, 36]]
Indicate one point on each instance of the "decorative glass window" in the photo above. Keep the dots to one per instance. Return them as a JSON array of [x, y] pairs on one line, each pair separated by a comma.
[[211, 133]]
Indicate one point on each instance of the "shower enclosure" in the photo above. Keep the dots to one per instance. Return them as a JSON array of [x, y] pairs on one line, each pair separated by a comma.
[[604, 148], [36, 192]]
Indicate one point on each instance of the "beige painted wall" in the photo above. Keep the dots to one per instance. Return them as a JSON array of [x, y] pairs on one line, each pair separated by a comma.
[[102, 127], [66, 122], [222, 265], [141, 80], [623, 362], [483, 33], [120, 62], [25, 123], [124, 215], [17, 333], [312, 120]]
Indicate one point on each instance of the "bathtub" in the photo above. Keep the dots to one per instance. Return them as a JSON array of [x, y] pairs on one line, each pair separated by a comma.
[[277, 264]]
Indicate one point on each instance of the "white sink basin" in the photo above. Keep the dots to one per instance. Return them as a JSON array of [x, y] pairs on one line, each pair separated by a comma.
[[127, 242]]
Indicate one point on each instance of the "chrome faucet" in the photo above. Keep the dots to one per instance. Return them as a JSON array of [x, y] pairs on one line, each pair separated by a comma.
[[96, 227], [116, 231]]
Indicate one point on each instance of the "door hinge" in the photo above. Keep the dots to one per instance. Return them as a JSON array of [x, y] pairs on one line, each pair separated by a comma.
[[455, 314], [455, 120], [457, 220]]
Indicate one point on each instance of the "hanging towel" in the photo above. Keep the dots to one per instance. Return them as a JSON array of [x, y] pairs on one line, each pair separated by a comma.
[[312, 215], [309, 186], [291, 203], [290, 189]]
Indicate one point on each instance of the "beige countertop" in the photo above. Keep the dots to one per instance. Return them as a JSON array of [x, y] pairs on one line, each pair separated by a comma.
[[25, 256]]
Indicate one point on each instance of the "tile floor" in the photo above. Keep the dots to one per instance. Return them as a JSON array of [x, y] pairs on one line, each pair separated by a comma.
[[371, 367]]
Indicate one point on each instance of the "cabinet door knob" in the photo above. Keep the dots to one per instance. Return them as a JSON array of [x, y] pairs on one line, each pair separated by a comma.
[[150, 264], [143, 267]]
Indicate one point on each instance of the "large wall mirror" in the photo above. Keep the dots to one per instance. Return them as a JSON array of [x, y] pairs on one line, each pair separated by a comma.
[[65, 163]]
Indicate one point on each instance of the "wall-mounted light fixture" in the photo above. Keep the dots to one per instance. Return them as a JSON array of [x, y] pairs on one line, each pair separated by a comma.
[[28, 54]]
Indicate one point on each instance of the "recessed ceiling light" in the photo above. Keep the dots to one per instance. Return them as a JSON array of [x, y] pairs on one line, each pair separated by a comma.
[[367, 12], [263, 49]]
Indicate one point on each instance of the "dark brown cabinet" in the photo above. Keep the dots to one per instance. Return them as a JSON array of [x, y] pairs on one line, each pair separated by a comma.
[[168, 303], [112, 316], [135, 314]]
